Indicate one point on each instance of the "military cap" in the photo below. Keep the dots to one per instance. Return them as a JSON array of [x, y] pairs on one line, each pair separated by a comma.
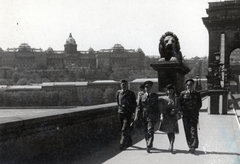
[[147, 83], [189, 80], [123, 81], [169, 86]]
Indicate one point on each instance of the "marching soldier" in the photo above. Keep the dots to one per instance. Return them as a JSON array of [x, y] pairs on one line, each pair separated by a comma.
[[126, 101], [190, 102], [147, 106]]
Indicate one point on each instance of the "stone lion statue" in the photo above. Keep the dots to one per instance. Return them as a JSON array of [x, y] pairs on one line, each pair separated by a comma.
[[169, 48]]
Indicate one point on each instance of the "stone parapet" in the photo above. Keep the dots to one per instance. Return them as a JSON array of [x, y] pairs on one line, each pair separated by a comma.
[[57, 137]]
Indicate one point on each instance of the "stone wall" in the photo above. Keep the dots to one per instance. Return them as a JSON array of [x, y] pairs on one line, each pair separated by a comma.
[[57, 138]]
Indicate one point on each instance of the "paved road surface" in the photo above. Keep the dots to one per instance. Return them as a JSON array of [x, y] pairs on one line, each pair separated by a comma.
[[219, 137]]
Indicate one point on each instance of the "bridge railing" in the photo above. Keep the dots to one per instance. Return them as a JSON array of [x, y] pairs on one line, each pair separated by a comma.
[[57, 137], [219, 101]]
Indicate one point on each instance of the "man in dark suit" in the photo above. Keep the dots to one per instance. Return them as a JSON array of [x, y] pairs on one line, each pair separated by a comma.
[[190, 102], [147, 105], [126, 101]]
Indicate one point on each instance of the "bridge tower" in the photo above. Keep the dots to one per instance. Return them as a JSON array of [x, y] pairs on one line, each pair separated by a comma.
[[223, 25]]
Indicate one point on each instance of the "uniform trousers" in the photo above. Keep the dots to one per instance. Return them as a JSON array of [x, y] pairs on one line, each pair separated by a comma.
[[125, 121], [191, 133], [149, 132]]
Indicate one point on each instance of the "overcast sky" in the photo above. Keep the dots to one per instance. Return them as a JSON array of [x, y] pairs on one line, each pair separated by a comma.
[[102, 23]]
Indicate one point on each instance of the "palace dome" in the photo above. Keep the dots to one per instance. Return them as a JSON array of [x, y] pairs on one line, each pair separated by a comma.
[[24, 47], [90, 49], [70, 40], [139, 50], [118, 47], [50, 49]]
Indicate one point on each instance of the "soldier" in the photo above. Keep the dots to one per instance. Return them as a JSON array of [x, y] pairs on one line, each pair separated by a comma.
[[190, 102], [126, 101], [147, 105]]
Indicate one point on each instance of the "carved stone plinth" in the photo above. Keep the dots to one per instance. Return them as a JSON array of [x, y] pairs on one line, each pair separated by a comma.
[[171, 73]]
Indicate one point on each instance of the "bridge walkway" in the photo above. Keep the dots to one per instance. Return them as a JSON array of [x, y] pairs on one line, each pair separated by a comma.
[[219, 138]]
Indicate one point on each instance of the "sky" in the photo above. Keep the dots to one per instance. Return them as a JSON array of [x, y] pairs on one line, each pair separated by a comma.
[[100, 24]]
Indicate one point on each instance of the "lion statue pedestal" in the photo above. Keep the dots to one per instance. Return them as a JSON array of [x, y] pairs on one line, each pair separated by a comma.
[[171, 73], [171, 67]]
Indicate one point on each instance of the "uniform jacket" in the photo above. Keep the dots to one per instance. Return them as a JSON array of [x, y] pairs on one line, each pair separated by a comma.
[[190, 103], [147, 107], [126, 102]]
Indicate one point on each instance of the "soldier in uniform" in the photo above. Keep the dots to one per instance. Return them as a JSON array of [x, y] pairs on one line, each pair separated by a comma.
[[190, 102], [147, 105], [126, 101]]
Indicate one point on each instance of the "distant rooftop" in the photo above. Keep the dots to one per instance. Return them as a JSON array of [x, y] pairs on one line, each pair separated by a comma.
[[64, 83], [104, 81], [144, 79]]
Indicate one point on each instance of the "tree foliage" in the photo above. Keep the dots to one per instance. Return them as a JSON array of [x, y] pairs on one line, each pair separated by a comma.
[[16, 76], [22, 81], [109, 95], [198, 66]]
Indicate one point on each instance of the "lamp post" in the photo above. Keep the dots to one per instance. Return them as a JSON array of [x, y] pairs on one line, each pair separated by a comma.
[[219, 94], [215, 77], [217, 73]]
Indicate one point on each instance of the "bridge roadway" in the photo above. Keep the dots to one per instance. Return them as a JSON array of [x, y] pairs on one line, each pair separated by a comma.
[[219, 137]]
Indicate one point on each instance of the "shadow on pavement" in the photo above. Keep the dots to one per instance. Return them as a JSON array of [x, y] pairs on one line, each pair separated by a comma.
[[199, 152], [178, 151]]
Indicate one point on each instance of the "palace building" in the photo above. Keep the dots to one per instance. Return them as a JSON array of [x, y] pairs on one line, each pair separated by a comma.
[[70, 58]]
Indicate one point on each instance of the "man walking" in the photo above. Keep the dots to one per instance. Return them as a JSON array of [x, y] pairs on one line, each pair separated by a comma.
[[126, 101], [190, 102], [147, 106]]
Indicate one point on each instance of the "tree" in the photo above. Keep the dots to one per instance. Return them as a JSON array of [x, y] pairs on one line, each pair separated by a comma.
[[22, 81], [16, 76], [9, 99], [39, 66], [89, 74], [102, 74], [65, 98], [21, 98], [3, 82], [94, 97], [31, 81], [55, 98], [66, 79], [109, 95], [120, 73], [2, 98], [46, 80], [150, 60], [34, 97]]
